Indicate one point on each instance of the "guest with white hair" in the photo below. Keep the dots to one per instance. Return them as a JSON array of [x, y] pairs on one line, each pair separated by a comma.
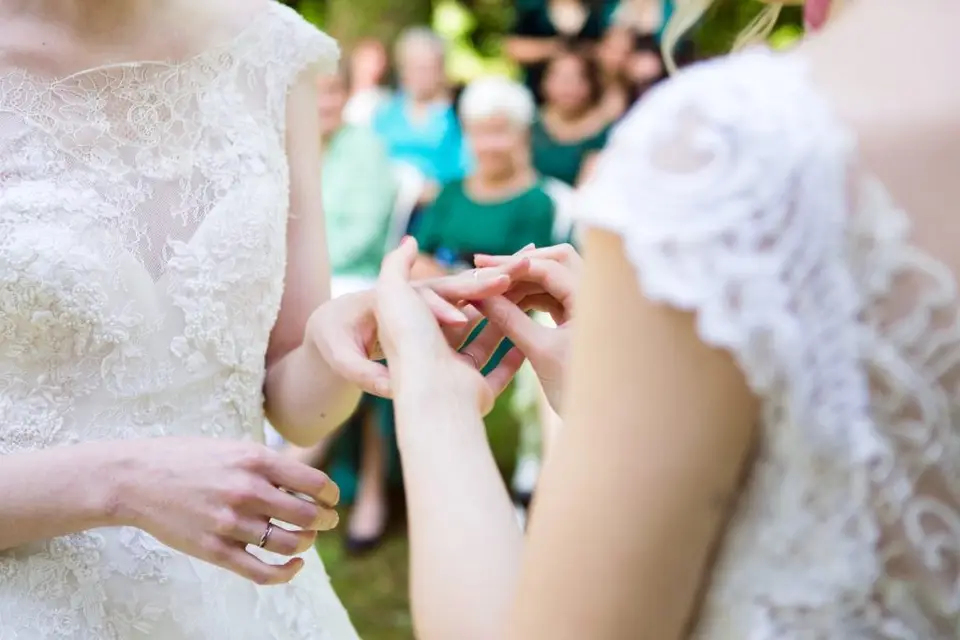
[[503, 204], [418, 124]]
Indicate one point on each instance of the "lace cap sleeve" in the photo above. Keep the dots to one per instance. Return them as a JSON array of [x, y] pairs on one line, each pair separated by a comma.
[[728, 187], [293, 45]]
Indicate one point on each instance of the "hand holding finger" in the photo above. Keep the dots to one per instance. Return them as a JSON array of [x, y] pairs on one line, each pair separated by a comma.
[[563, 253], [510, 321]]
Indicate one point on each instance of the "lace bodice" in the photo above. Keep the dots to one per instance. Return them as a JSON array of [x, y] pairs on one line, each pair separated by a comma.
[[143, 212], [731, 187]]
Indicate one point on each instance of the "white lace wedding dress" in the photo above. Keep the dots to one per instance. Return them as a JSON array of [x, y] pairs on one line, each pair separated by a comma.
[[143, 211], [738, 195]]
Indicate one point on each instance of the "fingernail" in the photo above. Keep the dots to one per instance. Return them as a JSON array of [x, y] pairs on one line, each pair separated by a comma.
[[454, 315], [526, 248], [330, 494], [382, 388], [326, 521]]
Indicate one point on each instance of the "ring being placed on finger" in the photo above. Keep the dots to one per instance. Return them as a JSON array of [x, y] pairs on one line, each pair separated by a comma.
[[266, 535], [473, 359]]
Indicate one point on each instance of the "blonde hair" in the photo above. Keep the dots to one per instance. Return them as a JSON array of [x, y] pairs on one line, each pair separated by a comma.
[[687, 13]]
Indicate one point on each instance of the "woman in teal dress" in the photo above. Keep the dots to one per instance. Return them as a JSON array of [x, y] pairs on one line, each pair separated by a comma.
[[503, 204], [572, 127]]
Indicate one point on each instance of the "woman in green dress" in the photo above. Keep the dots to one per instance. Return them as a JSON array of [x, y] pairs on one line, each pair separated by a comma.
[[572, 126], [504, 204]]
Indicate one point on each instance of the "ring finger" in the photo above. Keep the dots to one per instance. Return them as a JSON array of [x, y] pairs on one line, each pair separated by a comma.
[[252, 531]]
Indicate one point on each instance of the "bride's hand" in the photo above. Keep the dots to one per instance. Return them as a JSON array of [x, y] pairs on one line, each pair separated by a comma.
[[345, 329], [546, 284], [416, 347], [212, 499]]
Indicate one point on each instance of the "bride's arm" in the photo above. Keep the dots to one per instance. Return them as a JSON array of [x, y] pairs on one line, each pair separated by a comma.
[[636, 490], [305, 398], [41, 497], [632, 498], [465, 542]]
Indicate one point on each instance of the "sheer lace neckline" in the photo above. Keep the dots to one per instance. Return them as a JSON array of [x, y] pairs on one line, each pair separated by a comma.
[[206, 55]]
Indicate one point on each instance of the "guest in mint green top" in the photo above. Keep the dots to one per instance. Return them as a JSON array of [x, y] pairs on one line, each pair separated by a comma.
[[358, 187], [572, 126]]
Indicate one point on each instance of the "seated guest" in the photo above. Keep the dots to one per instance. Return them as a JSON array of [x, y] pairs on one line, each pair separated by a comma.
[[572, 126], [419, 125], [504, 204], [614, 57], [358, 190], [369, 66]]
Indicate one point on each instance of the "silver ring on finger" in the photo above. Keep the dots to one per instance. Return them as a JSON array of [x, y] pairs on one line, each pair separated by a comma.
[[473, 359], [266, 536]]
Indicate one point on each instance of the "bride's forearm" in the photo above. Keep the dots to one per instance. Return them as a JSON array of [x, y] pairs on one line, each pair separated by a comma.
[[305, 398], [465, 540], [55, 492]]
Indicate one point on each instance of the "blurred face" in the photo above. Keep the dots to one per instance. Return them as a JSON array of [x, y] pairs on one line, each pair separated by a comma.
[[565, 85], [368, 65], [421, 71], [496, 143], [331, 98], [614, 51]]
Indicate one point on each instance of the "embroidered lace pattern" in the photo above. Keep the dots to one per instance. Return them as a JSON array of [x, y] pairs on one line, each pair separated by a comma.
[[143, 213], [731, 188]]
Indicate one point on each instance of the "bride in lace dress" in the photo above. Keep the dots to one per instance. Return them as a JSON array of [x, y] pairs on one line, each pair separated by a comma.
[[149, 153], [761, 436]]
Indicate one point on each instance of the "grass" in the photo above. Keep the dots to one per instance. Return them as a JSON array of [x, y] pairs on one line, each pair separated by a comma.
[[373, 588]]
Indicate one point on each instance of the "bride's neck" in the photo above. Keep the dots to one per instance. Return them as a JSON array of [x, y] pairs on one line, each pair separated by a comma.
[[894, 47], [81, 15], [915, 31]]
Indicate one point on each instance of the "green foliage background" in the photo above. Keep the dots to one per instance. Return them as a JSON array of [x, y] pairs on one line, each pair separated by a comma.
[[475, 28]]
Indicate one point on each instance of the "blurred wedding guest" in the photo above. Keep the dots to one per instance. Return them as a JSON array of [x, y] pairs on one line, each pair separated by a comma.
[[646, 21], [572, 126], [418, 124], [614, 57], [544, 28], [369, 67], [504, 203], [358, 190]]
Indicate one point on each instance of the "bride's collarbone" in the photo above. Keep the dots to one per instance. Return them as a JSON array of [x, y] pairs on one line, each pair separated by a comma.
[[47, 49]]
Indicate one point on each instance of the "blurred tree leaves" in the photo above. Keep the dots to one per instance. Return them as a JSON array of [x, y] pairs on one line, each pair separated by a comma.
[[476, 27]]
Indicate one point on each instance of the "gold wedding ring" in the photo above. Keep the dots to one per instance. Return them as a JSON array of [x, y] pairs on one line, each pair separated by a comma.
[[266, 535]]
